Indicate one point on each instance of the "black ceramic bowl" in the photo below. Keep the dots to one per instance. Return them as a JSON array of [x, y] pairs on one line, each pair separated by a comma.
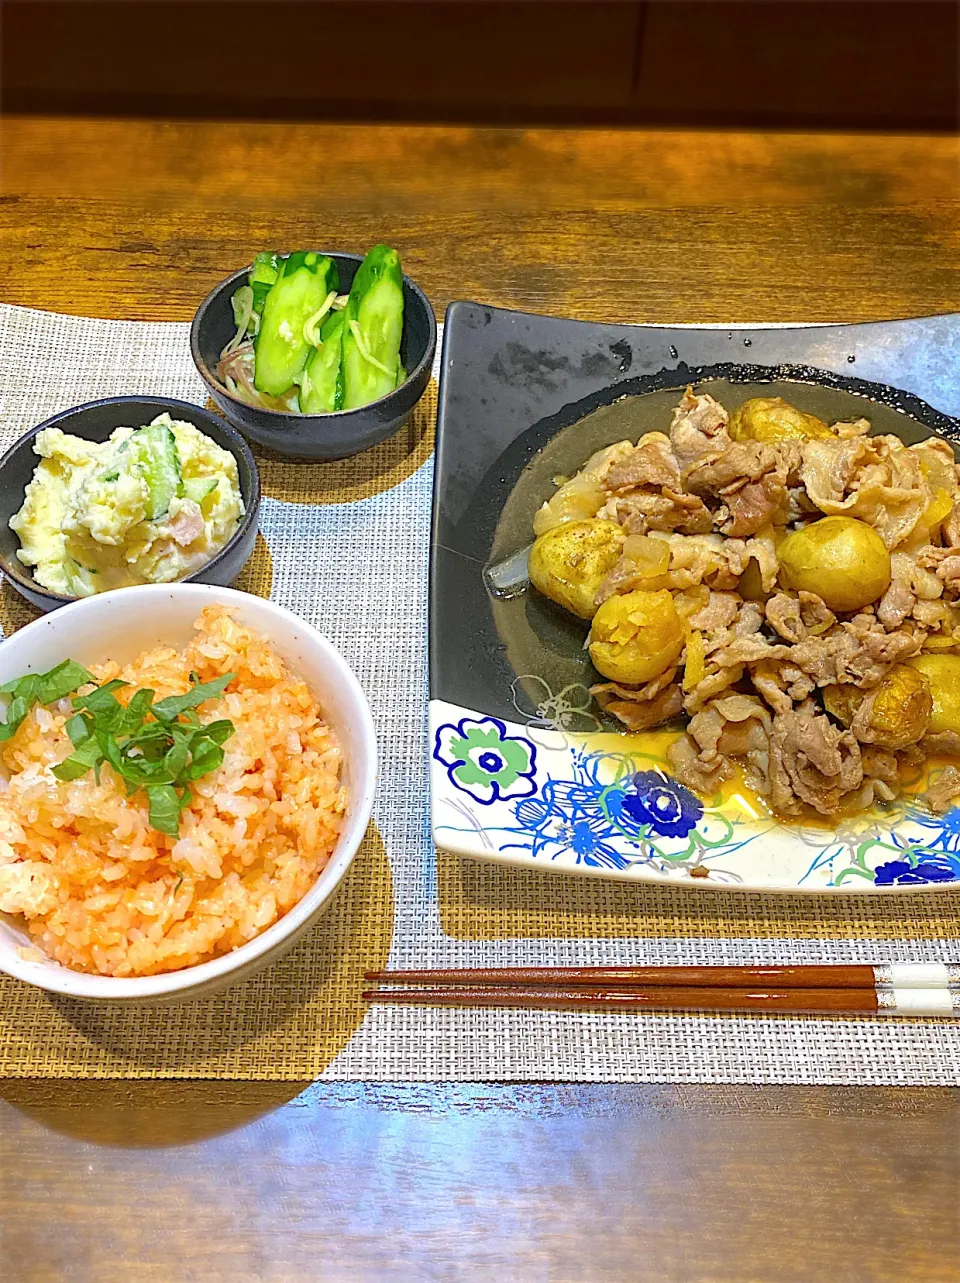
[[318, 436], [95, 421]]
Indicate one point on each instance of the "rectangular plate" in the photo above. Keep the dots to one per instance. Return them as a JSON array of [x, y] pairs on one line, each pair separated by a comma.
[[519, 771]]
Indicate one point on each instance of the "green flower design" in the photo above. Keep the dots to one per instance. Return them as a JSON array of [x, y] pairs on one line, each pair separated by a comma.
[[484, 761]]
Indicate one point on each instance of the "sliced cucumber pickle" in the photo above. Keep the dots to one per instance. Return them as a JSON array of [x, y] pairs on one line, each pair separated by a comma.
[[158, 461], [197, 488]]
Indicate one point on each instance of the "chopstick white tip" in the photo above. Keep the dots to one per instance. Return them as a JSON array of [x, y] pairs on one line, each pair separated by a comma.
[[918, 975], [918, 1002]]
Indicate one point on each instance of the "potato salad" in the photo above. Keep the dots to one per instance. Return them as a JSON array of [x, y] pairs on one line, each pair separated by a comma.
[[147, 506]]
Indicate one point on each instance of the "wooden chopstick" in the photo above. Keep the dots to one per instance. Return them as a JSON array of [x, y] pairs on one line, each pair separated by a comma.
[[895, 989], [904, 975], [849, 1001], [663, 998]]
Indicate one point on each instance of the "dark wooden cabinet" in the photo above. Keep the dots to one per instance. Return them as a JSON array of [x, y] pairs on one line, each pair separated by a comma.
[[889, 64]]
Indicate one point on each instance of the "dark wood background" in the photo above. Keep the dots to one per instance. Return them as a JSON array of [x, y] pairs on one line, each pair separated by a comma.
[[265, 1182], [170, 1182], [864, 64]]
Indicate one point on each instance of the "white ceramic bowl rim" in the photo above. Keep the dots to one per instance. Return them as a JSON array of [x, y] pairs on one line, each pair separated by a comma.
[[62, 980]]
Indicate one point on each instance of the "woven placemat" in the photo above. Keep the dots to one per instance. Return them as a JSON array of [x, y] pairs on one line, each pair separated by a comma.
[[346, 546]]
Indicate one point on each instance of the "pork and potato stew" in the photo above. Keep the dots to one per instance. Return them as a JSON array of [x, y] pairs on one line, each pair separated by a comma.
[[789, 589]]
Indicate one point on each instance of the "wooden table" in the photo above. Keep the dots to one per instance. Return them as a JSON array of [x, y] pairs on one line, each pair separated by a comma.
[[193, 1181]]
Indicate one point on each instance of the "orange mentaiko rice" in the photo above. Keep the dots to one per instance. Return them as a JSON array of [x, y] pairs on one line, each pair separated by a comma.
[[101, 891]]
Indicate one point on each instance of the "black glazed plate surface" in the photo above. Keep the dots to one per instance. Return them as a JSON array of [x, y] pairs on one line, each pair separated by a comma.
[[317, 436], [524, 398], [95, 421]]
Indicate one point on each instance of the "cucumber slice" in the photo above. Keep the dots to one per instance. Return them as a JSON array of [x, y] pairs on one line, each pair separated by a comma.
[[321, 387], [158, 462], [281, 349], [263, 275], [373, 328], [197, 488]]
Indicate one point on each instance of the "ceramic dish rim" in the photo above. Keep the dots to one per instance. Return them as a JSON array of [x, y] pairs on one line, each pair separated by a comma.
[[57, 978], [911, 405], [16, 572], [651, 878]]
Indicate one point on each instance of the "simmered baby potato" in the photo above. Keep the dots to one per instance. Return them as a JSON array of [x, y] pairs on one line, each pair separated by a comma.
[[771, 419], [569, 562], [842, 560], [901, 708], [943, 674], [636, 637]]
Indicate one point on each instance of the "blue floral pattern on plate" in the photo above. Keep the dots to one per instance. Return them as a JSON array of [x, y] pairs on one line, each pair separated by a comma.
[[666, 806], [589, 817], [484, 761], [909, 846], [926, 868], [562, 800]]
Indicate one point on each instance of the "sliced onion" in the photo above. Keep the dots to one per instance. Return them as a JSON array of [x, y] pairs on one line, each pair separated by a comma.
[[579, 500], [650, 556], [238, 368]]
